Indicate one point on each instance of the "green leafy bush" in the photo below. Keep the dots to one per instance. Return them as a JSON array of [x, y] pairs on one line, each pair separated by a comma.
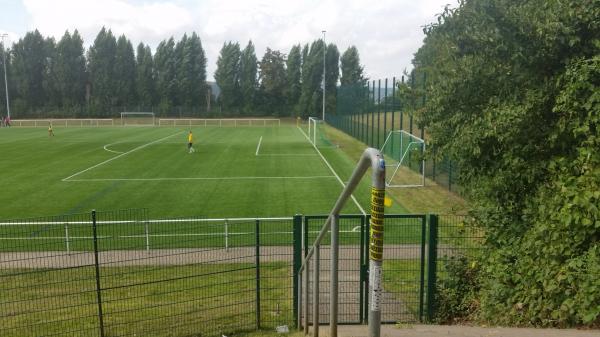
[[514, 98], [457, 291]]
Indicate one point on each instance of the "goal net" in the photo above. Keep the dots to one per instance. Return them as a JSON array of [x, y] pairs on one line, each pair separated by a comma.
[[137, 118], [316, 134], [404, 157]]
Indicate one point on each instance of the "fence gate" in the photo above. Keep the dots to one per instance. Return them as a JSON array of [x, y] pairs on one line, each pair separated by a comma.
[[404, 268]]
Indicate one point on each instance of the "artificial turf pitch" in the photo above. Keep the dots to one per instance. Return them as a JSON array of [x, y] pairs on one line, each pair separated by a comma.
[[270, 171]]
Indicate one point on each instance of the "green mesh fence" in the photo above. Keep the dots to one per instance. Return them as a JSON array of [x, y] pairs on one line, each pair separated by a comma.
[[368, 111]]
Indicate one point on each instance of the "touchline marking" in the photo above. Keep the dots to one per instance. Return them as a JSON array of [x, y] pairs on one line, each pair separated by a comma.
[[121, 155], [198, 178], [258, 147], [107, 145], [332, 171]]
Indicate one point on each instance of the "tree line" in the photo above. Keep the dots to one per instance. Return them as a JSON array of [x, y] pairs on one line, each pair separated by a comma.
[[47, 78]]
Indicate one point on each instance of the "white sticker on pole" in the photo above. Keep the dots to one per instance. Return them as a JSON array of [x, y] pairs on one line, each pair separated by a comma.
[[375, 282]]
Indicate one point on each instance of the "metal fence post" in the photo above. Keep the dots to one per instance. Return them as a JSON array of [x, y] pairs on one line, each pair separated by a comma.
[[297, 262], [422, 267], [257, 232], [333, 284], [432, 265], [306, 280], [306, 276], [317, 263], [376, 256], [97, 265]]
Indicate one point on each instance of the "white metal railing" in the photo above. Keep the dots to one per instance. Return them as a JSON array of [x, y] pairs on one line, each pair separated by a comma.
[[75, 122], [219, 122], [147, 234], [373, 158]]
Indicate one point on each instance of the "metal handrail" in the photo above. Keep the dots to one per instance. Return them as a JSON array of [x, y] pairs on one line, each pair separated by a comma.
[[373, 158]]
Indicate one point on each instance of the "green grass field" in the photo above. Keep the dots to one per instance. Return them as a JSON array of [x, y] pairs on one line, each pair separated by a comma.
[[229, 175], [63, 302]]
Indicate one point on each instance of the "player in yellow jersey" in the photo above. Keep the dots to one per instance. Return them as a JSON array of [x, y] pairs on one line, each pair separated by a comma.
[[50, 131], [190, 142]]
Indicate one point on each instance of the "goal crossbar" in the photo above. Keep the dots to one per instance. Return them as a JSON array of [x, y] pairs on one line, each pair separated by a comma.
[[142, 118]]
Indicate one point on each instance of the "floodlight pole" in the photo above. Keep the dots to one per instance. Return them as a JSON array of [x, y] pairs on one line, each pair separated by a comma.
[[5, 80], [324, 53]]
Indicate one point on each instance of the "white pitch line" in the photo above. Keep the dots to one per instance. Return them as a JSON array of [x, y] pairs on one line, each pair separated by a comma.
[[107, 145], [109, 150], [258, 147], [290, 154], [333, 171], [198, 178], [121, 155]]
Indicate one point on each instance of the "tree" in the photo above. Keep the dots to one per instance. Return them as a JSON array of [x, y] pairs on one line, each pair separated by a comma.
[[124, 72], [227, 77], [197, 90], [101, 60], [512, 97], [248, 80], [312, 76], [352, 71], [145, 79], [166, 72], [273, 83], [4, 56], [332, 69], [294, 77], [69, 70], [30, 65]]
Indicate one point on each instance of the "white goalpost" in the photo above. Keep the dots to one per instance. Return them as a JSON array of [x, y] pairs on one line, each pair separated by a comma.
[[316, 135], [137, 119], [403, 154], [312, 129]]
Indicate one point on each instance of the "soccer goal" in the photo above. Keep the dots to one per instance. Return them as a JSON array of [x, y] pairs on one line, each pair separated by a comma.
[[137, 119], [316, 133], [405, 163]]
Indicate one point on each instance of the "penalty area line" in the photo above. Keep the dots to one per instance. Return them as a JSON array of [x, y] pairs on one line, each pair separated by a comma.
[[119, 156]]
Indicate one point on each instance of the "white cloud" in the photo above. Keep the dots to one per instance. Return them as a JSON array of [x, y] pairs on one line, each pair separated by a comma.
[[146, 22], [386, 32]]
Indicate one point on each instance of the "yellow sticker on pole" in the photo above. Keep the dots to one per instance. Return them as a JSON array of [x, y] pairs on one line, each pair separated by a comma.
[[376, 223]]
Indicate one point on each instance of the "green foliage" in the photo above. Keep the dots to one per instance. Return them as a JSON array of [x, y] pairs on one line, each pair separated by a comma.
[[294, 77], [332, 69], [101, 59], [69, 70], [30, 67], [312, 76], [248, 78], [227, 77], [456, 290], [512, 96], [352, 71], [124, 72], [166, 74], [145, 81], [273, 83]]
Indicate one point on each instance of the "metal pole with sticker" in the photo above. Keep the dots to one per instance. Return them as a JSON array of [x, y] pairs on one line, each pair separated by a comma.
[[376, 251]]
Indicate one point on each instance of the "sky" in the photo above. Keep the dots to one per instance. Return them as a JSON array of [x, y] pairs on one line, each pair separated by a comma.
[[386, 32]]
